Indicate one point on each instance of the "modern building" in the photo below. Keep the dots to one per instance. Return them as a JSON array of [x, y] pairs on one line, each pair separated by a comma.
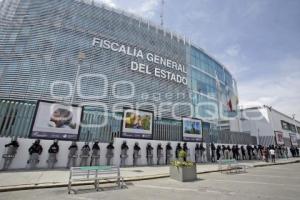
[[267, 123], [88, 54]]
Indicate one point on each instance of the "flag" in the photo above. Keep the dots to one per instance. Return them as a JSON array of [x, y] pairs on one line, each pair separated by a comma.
[[229, 104]]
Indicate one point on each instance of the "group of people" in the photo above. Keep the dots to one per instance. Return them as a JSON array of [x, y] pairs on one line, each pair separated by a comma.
[[294, 151], [251, 152], [36, 149], [217, 152]]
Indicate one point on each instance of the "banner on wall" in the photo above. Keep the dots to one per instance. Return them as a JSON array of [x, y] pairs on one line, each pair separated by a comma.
[[293, 137], [191, 129], [137, 124], [56, 121], [279, 137]]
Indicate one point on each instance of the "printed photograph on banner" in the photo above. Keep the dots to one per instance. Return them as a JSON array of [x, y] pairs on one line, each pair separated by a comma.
[[137, 124], [192, 129], [293, 137], [56, 121], [279, 137]]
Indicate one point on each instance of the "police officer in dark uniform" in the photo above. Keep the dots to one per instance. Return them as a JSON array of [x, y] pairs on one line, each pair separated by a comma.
[[178, 149], [160, 154], [149, 154], [243, 152], [233, 152], [85, 154], [202, 153], [34, 151], [11, 152], [249, 150], [53, 151], [168, 153], [197, 153], [72, 156], [223, 151], [187, 151], [237, 149], [213, 150], [95, 158], [124, 155], [136, 153], [218, 152], [109, 153]]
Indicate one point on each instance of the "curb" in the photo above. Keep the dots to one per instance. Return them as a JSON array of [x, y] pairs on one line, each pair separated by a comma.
[[273, 164], [57, 185]]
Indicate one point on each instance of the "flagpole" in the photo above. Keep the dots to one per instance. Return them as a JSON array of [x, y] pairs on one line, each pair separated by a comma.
[[218, 97]]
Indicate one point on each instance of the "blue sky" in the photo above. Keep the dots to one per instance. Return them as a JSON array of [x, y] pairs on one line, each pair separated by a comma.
[[257, 40]]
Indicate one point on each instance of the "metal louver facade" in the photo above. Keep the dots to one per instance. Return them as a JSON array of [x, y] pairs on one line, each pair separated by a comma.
[[46, 44]]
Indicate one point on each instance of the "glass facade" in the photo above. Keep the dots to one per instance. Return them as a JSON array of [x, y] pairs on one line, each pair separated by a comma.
[[46, 45]]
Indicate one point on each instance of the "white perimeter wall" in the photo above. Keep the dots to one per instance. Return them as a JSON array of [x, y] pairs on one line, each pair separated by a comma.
[[20, 161], [265, 120]]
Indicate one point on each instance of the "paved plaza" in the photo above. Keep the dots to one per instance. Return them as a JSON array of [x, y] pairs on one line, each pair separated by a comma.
[[270, 182], [45, 178]]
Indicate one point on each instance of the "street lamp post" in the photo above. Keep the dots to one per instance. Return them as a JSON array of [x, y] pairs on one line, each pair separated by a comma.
[[258, 140], [81, 57]]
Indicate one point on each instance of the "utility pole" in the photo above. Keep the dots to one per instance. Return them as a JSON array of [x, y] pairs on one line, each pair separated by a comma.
[[162, 13], [258, 141]]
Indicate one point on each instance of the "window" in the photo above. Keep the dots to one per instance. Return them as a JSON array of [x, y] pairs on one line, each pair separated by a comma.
[[284, 125], [292, 128], [288, 126]]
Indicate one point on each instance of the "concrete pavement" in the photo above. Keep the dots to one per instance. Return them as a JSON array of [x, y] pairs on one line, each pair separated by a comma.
[[20, 180], [279, 182]]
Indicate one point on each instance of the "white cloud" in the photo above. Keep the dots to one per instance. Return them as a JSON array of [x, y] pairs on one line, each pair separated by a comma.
[[232, 58], [146, 8], [280, 90], [253, 8], [110, 3], [233, 50], [143, 8]]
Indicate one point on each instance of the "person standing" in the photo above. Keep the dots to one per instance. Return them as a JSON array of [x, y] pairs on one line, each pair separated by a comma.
[[249, 151], [218, 152], [202, 153], [213, 150], [35, 151], [169, 153], [109, 153], [223, 151], [197, 153], [11, 152], [149, 154], [266, 154], [160, 154], [178, 149], [233, 152], [136, 154], [95, 157], [272, 153], [243, 152], [72, 156], [85, 153], [53, 150], [286, 152]]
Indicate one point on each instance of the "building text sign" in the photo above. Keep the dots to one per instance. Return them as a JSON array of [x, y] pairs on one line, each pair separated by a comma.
[[163, 64]]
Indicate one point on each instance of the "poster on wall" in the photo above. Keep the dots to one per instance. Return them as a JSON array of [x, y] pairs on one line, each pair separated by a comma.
[[56, 121], [191, 129], [137, 124], [293, 137], [279, 137]]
